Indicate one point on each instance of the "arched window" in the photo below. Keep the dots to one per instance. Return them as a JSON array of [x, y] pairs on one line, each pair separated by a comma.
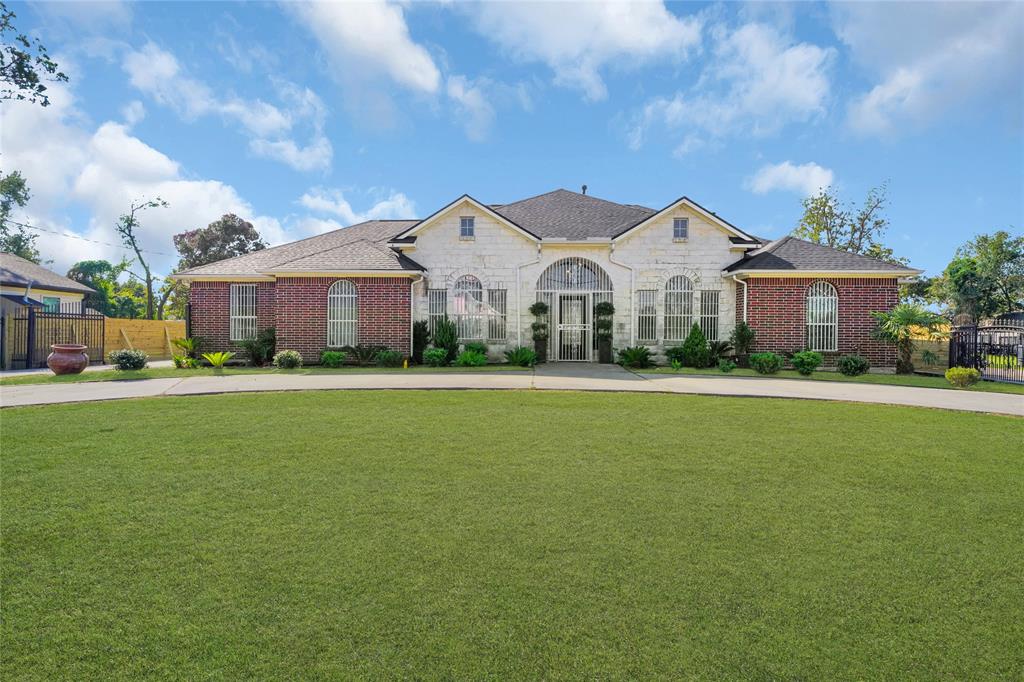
[[822, 317], [342, 314], [678, 309], [469, 309]]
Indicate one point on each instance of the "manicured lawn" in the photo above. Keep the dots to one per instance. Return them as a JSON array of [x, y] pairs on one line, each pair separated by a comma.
[[509, 535], [891, 379]]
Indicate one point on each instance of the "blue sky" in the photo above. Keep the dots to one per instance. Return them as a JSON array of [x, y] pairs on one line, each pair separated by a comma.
[[309, 117]]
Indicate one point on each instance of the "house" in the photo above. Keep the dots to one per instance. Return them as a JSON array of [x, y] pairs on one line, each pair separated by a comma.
[[483, 265], [25, 284]]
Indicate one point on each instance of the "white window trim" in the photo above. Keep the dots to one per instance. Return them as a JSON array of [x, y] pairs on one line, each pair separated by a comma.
[[681, 287], [686, 229], [463, 236], [710, 313], [822, 299], [242, 327], [647, 321], [343, 302]]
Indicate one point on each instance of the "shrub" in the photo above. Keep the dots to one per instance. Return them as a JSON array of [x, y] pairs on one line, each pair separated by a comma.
[[806, 361], [522, 356], [128, 359], [717, 350], [676, 365], [363, 355], [389, 358], [288, 359], [695, 348], [742, 338], [476, 347], [725, 365], [962, 377], [188, 346], [420, 339], [852, 365], [260, 350], [675, 354], [446, 336], [332, 358], [766, 363], [184, 362], [435, 357], [218, 360], [470, 358], [635, 356]]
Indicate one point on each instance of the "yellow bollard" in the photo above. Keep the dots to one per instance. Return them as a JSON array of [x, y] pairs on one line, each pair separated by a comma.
[[405, 364]]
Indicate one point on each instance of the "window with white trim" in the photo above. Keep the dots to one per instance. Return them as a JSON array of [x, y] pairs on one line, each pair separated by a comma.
[[709, 314], [467, 227], [646, 315], [678, 309], [497, 304], [468, 308], [242, 312], [680, 229], [437, 308], [822, 317], [342, 314]]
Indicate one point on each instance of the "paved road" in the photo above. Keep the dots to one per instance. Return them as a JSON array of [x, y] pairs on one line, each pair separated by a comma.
[[547, 377]]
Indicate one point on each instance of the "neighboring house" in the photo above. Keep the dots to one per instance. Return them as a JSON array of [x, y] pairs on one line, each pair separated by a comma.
[[24, 284], [484, 265]]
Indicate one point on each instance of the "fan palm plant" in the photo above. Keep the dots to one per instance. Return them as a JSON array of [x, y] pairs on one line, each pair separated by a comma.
[[902, 325]]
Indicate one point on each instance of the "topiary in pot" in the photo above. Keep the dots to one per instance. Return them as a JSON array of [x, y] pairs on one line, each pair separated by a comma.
[[742, 339], [420, 340], [540, 330], [603, 325]]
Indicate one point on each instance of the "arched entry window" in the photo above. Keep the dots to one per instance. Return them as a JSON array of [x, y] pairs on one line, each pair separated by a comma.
[[822, 317], [342, 314], [678, 309], [571, 287], [468, 308]]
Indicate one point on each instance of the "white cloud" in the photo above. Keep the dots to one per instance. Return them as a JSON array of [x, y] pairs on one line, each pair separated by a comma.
[[805, 179], [368, 39], [395, 205], [578, 40], [472, 105], [932, 58], [757, 80], [87, 15], [133, 112]]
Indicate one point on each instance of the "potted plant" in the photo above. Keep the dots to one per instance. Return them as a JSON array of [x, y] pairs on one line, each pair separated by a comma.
[[540, 330], [603, 313]]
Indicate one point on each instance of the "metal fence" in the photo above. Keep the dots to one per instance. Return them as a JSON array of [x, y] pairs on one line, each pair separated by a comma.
[[994, 348], [31, 333]]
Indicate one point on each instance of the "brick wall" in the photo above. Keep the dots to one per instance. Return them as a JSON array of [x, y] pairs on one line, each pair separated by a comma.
[[210, 310], [776, 308]]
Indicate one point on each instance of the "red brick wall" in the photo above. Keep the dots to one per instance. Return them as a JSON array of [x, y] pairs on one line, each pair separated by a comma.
[[776, 308], [297, 308]]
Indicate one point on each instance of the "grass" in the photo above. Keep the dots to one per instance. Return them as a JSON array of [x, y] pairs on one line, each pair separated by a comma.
[[512, 535], [890, 379]]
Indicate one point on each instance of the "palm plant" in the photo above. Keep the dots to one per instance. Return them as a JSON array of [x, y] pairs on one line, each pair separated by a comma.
[[902, 325], [218, 359], [188, 346]]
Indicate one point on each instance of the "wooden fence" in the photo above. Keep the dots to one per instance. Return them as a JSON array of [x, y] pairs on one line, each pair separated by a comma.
[[152, 336]]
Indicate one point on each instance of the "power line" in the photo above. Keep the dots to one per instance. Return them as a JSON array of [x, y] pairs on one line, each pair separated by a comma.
[[85, 239]]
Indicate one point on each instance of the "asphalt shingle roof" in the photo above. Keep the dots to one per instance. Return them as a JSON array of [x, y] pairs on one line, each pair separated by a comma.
[[569, 215], [790, 253], [16, 271]]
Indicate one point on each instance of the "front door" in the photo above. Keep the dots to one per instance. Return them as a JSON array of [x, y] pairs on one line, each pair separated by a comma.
[[573, 341]]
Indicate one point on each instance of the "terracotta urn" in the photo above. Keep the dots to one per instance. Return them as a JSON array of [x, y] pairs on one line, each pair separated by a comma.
[[67, 358]]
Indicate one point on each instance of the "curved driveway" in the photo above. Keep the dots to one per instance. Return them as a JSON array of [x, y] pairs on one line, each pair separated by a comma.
[[548, 377]]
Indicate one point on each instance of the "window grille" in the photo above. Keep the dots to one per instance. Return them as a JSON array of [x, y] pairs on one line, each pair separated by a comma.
[[242, 308], [680, 228], [646, 315], [497, 305], [678, 309], [437, 307], [342, 314], [709, 314], [469, 309], [574, 274], [467, 227], [822, 317]]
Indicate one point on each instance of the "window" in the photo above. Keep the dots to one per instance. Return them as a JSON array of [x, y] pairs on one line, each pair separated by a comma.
[[437, 307], [51, 304], [822, 317], [680, 229], [678, 309], [468, 308], [646, 315], [496, 303], [709, 314], [342, 314], [243, 312], [467, 227]]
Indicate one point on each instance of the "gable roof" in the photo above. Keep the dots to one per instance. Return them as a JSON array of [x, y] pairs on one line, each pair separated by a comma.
[[420, 224], [562, 214], [18, 272], [792, 254], [711, 216]]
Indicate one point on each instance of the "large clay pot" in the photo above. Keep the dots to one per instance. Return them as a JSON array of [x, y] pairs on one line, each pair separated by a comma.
[[67, 358]]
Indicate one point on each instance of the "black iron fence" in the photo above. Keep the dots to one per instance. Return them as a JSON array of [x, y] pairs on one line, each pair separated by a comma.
[[27, 336], [996, 349]]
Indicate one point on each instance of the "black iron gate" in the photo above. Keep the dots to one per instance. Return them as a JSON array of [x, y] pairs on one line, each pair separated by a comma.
[[32, 332], [994, 349]]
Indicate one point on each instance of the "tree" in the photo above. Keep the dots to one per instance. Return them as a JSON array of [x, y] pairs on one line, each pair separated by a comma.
[[15, 238], [21, 71], [902, 325], [857, 230], [985, 278], [127, 227], [102, 276], [225, 238]]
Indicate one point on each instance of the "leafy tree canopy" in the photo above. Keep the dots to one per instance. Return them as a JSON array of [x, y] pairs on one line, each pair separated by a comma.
[[230, 236], [24, 64], [826, 220], [15, 239], [111, 297], [985, 278]]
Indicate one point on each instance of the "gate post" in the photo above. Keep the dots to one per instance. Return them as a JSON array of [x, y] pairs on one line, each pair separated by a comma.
[[30, 338]]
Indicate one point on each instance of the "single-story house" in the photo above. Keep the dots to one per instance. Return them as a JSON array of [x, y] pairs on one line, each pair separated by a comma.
[[25, 284], [483, 265]]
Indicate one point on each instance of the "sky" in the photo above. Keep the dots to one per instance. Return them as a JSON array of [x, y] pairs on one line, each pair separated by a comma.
[[304, 118]]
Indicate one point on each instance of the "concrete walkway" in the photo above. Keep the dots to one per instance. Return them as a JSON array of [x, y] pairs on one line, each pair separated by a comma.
[[581, 377]]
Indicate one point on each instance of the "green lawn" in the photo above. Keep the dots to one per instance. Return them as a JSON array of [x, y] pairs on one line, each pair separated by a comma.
[[509, 535], [891, 379]]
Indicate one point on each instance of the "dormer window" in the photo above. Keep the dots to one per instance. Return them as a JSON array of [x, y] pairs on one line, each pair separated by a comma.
[[467, 228], [680, 229]]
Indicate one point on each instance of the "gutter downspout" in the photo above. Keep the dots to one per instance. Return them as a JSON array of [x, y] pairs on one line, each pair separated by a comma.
[[744, 283], [412, 308], [632, 292], [519, 295]]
